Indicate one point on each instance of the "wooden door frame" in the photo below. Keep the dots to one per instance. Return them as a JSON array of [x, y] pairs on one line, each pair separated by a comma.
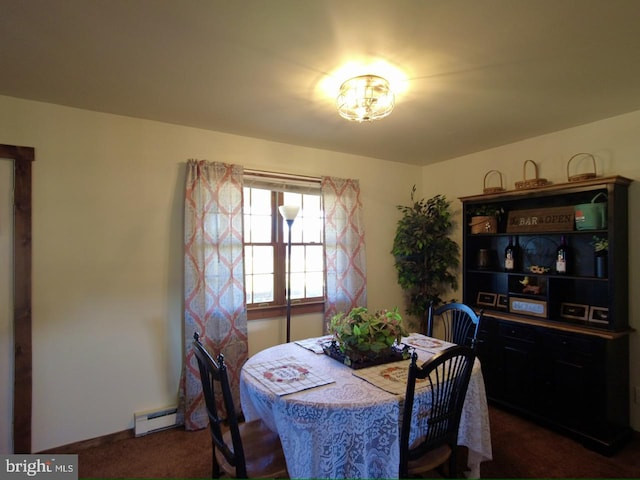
[[22, 381]]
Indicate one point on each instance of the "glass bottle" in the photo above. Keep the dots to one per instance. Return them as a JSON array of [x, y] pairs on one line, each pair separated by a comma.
[[562, 257], [510, 256]]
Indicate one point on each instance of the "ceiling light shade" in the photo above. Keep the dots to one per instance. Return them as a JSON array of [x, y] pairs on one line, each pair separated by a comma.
[[365, 98]]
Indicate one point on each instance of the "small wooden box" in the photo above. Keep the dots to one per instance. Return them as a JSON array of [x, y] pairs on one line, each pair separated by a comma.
[[574, 311], [486, 298], [599, 315], [553, 219]]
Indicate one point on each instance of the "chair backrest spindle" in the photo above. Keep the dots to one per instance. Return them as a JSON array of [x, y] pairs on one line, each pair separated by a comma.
[[214, 374], [447, 375], [460, 324]]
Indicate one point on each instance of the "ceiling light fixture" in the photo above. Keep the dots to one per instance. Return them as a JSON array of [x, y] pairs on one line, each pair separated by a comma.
[[365, 98]]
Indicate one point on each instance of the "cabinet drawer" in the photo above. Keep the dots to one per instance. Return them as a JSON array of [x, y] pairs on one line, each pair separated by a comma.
[[567, 343], [517, 332]]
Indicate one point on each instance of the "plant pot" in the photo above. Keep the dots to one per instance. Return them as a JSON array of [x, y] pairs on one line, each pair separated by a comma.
[[357, 360], [484, 224]]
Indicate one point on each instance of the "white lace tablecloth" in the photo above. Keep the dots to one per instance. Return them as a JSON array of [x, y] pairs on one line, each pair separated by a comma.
[[349, 428]]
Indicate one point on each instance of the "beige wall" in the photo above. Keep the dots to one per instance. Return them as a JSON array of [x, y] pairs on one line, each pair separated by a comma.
[[107, 255], [615, 143], [107, 246]]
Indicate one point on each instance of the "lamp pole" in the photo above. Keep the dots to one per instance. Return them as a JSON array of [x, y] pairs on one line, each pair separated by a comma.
[[289, 213]]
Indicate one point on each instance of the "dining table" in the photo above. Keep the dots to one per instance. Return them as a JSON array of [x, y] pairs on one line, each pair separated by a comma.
[[338, 422]]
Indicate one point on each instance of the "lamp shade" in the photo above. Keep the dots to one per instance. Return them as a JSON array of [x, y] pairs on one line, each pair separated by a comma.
[[289, 212]]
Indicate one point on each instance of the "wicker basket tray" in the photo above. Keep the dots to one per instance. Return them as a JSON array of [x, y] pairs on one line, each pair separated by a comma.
[[530, 182], [394, 354], [488, 190], [580, 177]]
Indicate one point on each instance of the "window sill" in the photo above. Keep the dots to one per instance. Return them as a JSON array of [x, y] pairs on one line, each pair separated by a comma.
[[274, 311]]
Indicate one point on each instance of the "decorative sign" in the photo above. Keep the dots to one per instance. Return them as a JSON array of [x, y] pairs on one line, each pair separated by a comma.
[[554, 219], [526, 306]]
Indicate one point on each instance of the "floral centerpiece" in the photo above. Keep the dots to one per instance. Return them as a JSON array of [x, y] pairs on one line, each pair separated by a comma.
[[362, 338]]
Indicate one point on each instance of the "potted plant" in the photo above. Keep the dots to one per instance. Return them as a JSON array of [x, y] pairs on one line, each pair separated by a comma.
[[426, 259], [484, 218], [363, 338], [601, 256]]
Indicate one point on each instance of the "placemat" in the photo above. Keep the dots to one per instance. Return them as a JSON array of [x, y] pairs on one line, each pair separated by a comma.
[[286, 375], [428, 344], [391, 377], [314, 344]]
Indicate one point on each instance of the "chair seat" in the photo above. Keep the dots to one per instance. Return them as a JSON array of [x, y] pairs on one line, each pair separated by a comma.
[[262, 449], [430, 460]]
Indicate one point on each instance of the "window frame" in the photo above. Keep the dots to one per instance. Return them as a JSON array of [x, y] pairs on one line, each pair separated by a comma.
[[279, 240]]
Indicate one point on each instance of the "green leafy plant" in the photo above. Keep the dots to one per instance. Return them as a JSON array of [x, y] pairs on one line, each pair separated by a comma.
[[486, 210], [426, 259], [600, 244], [367, 332]]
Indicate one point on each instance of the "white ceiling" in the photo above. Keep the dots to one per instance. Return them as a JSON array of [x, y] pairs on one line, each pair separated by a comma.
[[481, 73]]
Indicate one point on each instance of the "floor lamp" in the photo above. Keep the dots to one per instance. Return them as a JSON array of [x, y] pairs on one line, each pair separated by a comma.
[[289, 213]]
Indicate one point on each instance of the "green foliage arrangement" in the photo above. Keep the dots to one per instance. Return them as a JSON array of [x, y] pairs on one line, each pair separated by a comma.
[[600, 244], [426, 259], [487, 210], [367, 332]]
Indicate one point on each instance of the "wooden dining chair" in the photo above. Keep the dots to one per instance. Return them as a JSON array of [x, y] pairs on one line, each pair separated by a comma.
[[459, 322], [435, 421], [245, 449]]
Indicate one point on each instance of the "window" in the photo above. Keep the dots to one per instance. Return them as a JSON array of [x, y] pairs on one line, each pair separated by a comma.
[[265, 248]]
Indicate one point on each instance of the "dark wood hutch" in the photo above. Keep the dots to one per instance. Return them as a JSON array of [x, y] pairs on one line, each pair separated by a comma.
[[555, 347]]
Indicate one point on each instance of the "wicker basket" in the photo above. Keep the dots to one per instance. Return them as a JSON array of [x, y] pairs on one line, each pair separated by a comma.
[[488, 190], [530, 182], [582, 176]]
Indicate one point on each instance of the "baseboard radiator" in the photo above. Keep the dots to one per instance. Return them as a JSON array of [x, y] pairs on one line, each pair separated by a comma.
[[155, 420]]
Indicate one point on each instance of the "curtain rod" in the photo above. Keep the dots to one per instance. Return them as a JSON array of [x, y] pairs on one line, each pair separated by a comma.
[[282, 176]]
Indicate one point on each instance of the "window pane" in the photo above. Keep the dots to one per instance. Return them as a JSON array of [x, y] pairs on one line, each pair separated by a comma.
[[313, 258], [263, 288], [257, 215], [262, 259], [314, 284], [248, 260], [292, 199], [297, 258], [312, 231], [248, 289], [297, 284], [260, 202], [259, 273], [260, 229]]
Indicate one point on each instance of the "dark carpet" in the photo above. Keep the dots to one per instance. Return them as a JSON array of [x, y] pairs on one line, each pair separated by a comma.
[[521, 449]]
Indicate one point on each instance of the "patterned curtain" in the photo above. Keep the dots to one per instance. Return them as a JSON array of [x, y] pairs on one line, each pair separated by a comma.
[[214, 301], [345, 261]]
